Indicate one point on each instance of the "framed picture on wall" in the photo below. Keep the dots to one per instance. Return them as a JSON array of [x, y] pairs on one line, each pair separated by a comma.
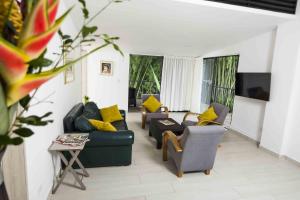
[[69, 74], [106, 68]]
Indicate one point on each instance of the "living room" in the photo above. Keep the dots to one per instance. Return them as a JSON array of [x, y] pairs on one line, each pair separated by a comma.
[[257, 156]]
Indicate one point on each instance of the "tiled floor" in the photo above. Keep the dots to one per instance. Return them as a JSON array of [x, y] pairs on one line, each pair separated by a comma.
[[241, 172]]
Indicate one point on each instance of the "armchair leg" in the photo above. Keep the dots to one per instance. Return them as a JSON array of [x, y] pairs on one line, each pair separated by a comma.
[[143, 122], [165, 153], [207, 172], [179, 173], [165, 148]]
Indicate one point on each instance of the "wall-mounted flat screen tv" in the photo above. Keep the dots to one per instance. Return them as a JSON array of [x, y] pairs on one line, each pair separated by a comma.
[[253, 85]]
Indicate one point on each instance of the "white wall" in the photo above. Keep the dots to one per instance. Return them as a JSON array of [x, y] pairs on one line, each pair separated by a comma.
[[108, 90], [256, 55], [292, 138], [39, 163], [281, 110]]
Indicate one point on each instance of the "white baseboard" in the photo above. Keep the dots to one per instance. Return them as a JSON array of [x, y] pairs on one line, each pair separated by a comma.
[[243, 135], [283, 157]]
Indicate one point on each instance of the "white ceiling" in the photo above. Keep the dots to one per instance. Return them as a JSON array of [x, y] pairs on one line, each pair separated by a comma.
[[175, 27]]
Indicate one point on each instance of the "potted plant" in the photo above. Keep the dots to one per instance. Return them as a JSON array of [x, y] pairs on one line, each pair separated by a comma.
[[26, 28]]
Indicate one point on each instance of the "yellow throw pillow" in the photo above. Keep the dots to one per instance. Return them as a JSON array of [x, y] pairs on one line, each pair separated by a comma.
[[152, 104], [111, 114], [102, 126], [207, 117]]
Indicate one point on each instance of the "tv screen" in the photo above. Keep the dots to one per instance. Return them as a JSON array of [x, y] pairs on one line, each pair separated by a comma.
[[253, 85]]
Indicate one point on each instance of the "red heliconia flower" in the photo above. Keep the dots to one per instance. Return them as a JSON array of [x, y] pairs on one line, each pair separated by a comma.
[[39, 29], [31, 81], [36, 45], [13, 62]]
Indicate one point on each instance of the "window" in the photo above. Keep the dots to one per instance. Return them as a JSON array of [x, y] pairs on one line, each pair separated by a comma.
[[145, 74], [218, 83]]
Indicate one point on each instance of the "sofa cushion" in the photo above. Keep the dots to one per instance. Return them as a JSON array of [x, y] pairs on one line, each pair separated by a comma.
[[111, 114], [90, 111], [102, 126], [120, 125], [206, 117], [92, 108], [102, 138], [82, 123], [152, 104]]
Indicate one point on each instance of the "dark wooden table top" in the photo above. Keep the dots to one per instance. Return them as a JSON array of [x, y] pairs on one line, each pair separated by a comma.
[[176, 127]]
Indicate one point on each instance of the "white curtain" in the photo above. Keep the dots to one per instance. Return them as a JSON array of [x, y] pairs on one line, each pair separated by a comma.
[[177, 83]]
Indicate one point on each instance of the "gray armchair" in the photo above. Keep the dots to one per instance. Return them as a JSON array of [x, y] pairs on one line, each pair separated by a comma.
[[195, 149], [220, 110], [162, 112]]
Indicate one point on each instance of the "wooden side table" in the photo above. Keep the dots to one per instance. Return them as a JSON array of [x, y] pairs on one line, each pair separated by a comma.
[[74, 151], [156, 129]]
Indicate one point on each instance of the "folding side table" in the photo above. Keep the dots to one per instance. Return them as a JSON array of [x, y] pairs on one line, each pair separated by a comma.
[[74, 151]]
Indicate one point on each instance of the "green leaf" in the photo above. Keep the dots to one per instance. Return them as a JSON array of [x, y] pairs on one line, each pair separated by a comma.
[[89, 40], [35, 120], [82, 2], [39, 63], [117, 48], [85, 13], [25, 101], [46, 115], [68, 41], [4, 117], [105, 36], [23, 132], [6, 140], [66, 37], [88, 30], [115, 38], [16, 141], [60, 33]]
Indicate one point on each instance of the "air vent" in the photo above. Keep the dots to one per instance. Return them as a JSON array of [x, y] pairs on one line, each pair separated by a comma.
[[284, 6]]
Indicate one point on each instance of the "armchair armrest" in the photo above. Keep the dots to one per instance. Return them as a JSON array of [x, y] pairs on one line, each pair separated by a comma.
[[165, 109], [170, 136], [189, 114], [143, 109]]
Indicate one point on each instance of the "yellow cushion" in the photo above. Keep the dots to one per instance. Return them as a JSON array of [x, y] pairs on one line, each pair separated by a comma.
[[102, 126], [152, 104], [111, 114], [207, 117]]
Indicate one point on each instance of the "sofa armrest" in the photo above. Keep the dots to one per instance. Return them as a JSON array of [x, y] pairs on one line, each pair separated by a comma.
[[103, 138], [68, 121], [123, 113]]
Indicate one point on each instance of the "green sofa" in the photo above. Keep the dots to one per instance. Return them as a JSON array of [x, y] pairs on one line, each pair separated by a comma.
[[104, 148]]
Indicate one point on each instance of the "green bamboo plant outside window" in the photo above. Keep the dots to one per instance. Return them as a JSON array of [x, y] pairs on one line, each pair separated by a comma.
[[145, 74], [219, 76]]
